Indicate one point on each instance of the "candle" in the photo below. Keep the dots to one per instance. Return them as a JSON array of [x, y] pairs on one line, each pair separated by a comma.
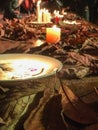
[[53, 34], [40, 17], [57, 16], [46, 16], [38, 10]]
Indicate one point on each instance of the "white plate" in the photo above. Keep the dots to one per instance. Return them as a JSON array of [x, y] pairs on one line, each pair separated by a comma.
[[19, 67]]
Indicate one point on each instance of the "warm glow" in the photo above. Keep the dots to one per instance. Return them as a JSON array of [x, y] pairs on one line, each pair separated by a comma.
[[24, 68], [43, 15], [38, 11], [19, 67], [56, 13], [63, 12], [38, 2], [57, 16], [70, 22], [38, 43], [53, 34]]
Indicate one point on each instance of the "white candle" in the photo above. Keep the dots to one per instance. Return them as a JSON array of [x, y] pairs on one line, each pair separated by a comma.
[[40, 17], [56, 13], [53, 34], [38, 10], [46, 16]]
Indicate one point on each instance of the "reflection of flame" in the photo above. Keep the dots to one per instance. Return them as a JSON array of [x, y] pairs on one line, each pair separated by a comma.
[[38, 43], [25, 68]]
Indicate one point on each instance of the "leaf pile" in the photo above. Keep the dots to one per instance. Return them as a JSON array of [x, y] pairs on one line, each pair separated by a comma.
[[77, 49]]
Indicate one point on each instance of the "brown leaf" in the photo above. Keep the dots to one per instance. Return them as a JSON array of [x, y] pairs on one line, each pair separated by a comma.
[[84, 59], [34, 121], [75, 109], [7, 45], [92, 127], [2, 121]]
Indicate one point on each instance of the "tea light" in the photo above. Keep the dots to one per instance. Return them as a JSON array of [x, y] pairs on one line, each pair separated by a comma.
[[53, 34]]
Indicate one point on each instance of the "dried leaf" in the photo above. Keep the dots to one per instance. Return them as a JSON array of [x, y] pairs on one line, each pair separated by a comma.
[[2, 121], [75, 109]]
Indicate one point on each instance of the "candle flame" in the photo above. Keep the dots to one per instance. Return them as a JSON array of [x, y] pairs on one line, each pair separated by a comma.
[[38, 2], [54, 26]]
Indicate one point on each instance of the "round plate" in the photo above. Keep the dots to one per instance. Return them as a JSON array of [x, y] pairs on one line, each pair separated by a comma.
[[19, 67]]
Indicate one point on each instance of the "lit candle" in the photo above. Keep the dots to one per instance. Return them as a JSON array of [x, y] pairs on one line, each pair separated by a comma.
[[38, 10], [53, 34], [57, 16], [46, 16], [40, 17]]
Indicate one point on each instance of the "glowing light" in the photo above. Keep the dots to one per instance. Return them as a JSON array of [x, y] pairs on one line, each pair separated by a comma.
[[53, 34], [24, 68]]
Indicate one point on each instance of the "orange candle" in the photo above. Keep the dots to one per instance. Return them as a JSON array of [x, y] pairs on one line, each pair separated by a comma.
[[53, 34]]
